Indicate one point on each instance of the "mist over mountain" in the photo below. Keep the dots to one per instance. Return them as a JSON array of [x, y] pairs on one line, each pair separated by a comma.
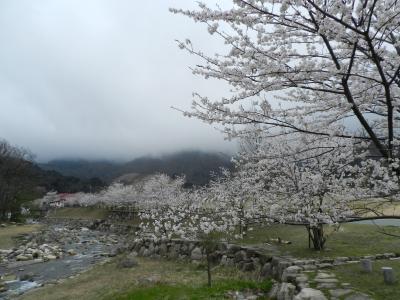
[[195, 165]]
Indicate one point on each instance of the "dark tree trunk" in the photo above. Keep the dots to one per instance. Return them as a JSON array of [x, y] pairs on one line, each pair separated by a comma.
[[208, 269], [316, 234]]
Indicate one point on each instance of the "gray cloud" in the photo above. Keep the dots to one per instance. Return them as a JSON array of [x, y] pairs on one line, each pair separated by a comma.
[[96, 78]]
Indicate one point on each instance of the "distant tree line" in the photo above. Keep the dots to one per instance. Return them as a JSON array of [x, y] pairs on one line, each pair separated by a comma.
[[21, 180]]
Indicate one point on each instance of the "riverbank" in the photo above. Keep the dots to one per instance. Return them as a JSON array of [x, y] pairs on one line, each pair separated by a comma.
[[86, 253], [153, 278], [53, 253], [8, 233]]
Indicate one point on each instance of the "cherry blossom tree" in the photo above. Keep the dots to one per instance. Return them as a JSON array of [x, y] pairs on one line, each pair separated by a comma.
[[319, 82], [325, 62], [306, 181], [205, 214], [237, 195], [118, 194], [82, 200], [160, 204]]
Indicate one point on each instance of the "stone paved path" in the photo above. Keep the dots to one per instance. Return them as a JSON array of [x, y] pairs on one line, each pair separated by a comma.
[[331, 287]]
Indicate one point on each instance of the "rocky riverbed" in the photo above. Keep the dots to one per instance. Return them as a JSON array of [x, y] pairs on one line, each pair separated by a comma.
[[53, 254]]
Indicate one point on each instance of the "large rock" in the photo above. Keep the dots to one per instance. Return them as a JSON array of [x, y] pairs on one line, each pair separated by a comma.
[[358, 296], [274, 291], [337, 293], [128, 262], [310, 294], [340, 260], [114, 252], [232, 248], [266, 270], [240, 256], [22, 257], [326, 280], [226, 261], [3, 287], [248, 266], [184, 249], [71, 252], [290, 273], [5, 251], [141, 251], [282, 265], [49, 257], [196, 254], [322, 275], [151, 248], [37, 254], [301, 281], [27, 277], [286, 291]]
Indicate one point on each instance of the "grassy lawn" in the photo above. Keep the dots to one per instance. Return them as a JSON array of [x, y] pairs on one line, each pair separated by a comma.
[[86, 213], [350, 240], [383, 206], [371, 283], [10, 232], [217, 291], [151, 279]]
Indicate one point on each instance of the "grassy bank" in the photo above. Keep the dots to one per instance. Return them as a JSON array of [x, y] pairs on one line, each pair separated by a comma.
[[85, 213], [151, 279], [371, 283], [9, 233], [349, 240]]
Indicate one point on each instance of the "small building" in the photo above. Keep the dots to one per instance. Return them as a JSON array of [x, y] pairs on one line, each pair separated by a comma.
[[55, 200]]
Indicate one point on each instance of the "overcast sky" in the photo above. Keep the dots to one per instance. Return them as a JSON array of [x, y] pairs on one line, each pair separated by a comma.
[[95, 79]]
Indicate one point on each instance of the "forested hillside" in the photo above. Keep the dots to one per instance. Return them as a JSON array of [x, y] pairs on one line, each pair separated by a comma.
[[21, 180], [196, 165]]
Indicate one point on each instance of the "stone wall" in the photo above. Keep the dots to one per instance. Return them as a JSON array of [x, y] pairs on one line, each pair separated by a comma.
[[245, 258]]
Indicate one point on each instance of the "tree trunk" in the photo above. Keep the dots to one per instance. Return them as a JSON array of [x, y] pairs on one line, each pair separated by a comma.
[[316, 233], [208, 269]]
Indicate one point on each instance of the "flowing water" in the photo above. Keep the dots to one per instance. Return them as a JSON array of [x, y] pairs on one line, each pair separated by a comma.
[[91, 249]]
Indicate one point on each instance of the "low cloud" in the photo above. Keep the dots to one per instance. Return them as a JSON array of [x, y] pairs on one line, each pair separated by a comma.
[[96, 79]]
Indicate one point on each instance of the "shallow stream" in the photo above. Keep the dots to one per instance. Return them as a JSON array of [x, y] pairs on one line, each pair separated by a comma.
[[91, 248]]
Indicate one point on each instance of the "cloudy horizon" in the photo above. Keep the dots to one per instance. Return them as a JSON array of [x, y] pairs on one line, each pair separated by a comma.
[[96, 79]]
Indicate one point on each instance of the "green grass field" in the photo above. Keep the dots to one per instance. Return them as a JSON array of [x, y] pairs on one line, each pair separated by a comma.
[[86, 213], [349, 240], [217, 291], [10, 232], [371, 283]]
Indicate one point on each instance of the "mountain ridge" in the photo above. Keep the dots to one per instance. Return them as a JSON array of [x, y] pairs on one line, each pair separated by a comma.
[[195, 165]]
